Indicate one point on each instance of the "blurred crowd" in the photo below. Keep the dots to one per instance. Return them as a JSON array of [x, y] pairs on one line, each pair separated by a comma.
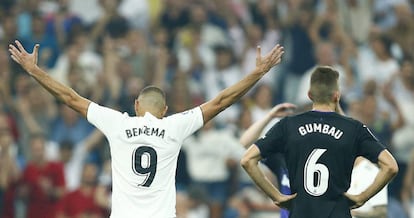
[[53, 163]]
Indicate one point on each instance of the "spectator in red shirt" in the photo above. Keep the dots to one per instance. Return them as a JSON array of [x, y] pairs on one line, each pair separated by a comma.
[[43, 182], [81, 202]]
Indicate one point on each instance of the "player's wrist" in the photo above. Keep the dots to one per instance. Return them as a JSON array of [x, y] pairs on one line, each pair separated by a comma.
[[31, 69], [363, 197], [261, 71]]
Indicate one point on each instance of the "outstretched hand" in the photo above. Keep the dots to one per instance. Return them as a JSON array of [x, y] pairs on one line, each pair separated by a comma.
[[27, 60], [282, 110], [285, 201], [264, 63]]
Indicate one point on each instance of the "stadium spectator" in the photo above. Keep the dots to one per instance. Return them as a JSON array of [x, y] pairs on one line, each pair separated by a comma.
[[299, 53], [35, 111], [74, 156], [81, 202], [255, 35], [377, 63], [104, 188], [225, 73], [43, 182], [69, 126], [9, 170], [39, 34], [401, 87], [407, 195], [403, 32], [355, 18], [262, 102], [216, 149]]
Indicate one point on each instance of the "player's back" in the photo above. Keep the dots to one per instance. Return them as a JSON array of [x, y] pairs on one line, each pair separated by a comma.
[[320, 148], [144, 152]]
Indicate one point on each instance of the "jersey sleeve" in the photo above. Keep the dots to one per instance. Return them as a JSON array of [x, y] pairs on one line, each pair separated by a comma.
[[273, 141], [105, 119], [187, 122], [368, 145]]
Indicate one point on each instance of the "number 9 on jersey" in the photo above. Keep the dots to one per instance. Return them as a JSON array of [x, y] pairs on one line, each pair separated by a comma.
[[144, 163]]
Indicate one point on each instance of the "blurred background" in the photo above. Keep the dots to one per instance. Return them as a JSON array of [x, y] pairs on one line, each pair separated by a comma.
[[54, 164]]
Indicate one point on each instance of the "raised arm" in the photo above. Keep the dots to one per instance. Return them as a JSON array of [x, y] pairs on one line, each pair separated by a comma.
[[65, 94], [233, 93], [254, 131], [388, 169]]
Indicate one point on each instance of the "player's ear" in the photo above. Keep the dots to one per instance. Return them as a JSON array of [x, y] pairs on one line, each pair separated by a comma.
[[165, 111], [136, 104], [310, 95], [336, 96]]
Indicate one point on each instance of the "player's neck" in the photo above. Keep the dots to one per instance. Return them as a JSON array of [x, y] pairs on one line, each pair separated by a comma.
[[323, 107]]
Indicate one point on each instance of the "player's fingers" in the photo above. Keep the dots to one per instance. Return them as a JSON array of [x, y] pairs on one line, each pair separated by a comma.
[[13, 51], [258, 52], [36, 52], [288, 105], [279, 52], [15, 59], [20, 46], [274, 51], [36, 48], [292, 196], [13, 48]]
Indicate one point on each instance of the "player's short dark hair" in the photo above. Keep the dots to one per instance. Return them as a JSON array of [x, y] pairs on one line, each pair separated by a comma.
[[152, 89], [323, 83], [152, 96]]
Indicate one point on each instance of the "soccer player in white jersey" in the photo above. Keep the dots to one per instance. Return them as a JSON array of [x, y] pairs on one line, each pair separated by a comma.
[[144, 148]]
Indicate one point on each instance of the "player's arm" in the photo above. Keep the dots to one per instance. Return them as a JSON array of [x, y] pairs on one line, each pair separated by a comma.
[[233, 93], [250, 163], [65, 94], [254, 131], [388, 168], [376, 211]]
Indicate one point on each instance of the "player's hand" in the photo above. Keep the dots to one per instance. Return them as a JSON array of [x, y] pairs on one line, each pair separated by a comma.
[[282, 110], [285, 201], [20, 55], [264, 63], [355, 199]]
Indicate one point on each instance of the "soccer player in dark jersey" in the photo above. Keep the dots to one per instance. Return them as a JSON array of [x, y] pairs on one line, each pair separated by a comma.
[[320, 147]]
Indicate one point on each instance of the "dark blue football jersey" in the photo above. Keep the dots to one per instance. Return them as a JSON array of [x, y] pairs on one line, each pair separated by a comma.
[[320, 149]]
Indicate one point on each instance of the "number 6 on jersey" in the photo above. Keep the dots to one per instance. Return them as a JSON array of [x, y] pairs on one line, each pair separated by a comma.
[[144, 162], [316, 175]]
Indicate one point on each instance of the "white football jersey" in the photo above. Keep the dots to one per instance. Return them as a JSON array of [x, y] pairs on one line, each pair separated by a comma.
[[144, 152]]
